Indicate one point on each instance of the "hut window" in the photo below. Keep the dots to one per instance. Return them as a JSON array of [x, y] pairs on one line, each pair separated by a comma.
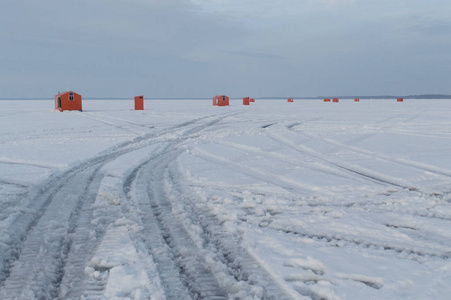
[[71, 97]]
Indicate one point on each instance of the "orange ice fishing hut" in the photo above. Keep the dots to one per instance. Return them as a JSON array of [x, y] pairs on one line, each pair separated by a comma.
[[139, 103], [221, 100], [68, 101]]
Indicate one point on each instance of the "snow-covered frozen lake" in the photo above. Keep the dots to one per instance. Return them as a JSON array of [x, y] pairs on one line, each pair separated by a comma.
[[276, 200]]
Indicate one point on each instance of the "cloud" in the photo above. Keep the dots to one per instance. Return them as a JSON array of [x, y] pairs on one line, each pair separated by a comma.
[[97, 44], [174, 48]]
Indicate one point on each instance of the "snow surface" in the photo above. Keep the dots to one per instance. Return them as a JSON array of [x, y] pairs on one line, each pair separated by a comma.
[[277, 200]]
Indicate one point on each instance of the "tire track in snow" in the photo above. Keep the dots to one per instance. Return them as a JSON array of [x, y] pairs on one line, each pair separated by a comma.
[[237, 267], [46, 244], [123, 120], [53, 213], [385, 125], [15, 184], [341, 241], [81, 241], [293, 186], [371, 154], [184, 256], [292, 161], [8, 161], [135, 188], [183, 271], [364, 172], [44, 134], [126, 129], [370, 174], [304, 121], [182, 264], [93, 286], [367, 173], [380, 126], [267, 125]]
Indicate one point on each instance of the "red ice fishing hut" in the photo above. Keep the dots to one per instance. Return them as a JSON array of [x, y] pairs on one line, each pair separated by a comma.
[[400, 99], [139, 103], [221, 100], [290, 100], [246, 101], [68, 101], [326, 100]]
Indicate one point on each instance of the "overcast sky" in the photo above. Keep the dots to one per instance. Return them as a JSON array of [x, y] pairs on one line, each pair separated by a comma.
[[200, 48]]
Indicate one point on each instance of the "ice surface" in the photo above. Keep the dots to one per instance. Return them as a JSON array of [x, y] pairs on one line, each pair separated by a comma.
[[303, 200]]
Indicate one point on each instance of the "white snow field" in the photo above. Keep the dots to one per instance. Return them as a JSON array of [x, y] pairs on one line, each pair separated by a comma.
[[184, 200]]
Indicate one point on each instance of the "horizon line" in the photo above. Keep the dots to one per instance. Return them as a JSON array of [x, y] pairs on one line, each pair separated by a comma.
[[419, 96]]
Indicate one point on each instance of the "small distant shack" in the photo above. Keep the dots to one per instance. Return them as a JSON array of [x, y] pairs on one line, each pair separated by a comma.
[[251, 100], [356, 100], [246, 101], [220, 100], [400, 100], [335, 100], [326, 100], [139, 103], [290, 100], [68, 101]]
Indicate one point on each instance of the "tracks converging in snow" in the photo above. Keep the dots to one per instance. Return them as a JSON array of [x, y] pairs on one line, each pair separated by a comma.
[[55, 240]]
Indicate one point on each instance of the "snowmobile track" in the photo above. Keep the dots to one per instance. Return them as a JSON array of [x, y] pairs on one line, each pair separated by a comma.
[[335, 240], [225, 246], [43, 251], [182, 269], [42, 236]]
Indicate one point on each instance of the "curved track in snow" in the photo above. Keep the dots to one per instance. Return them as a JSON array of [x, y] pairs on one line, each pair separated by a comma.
[[53, 244]]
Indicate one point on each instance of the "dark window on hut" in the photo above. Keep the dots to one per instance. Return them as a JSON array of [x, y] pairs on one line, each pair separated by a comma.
[[71, 97]]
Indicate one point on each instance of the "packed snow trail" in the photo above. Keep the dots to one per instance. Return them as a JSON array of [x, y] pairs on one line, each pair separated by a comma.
[[54, 214], [54, 244]]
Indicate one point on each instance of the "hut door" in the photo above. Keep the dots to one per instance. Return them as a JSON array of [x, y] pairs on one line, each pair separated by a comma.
[[58, 102]]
